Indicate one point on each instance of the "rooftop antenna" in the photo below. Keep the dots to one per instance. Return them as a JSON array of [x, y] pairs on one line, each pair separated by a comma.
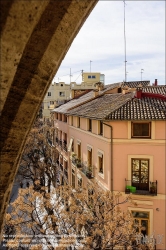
[[141, 73], [126, 76], [82, 74], [90, 66], [125, 41], [70, 75]]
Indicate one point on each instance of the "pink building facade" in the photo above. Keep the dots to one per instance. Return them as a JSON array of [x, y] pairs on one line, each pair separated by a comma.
[[117, 137]]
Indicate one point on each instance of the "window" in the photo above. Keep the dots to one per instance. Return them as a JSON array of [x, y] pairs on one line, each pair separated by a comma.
[[51, 102], [141, 130], [90, 125], [73, 178], [141, 222], [65, 118], [56, 116], [49, 93], [79, 150], [100, 128], [61, 93], [78, 122], [79, 178], [100, 163], [60, 117], [72, 146], [71, 120], [140, 173], [91, 76], [89, 157], [66, 168]]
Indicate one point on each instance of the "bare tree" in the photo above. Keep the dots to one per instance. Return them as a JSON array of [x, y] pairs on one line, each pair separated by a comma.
[[36, 163], [72, 219], [45, 217]]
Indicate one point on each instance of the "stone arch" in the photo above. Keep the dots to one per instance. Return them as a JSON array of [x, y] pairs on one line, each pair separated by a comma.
[[35, 36]]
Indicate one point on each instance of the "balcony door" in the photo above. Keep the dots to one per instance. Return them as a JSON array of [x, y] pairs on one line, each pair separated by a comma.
[[90, 158], [140, 174]]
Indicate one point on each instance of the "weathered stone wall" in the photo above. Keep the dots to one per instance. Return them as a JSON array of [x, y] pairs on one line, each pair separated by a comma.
[[35, 36]]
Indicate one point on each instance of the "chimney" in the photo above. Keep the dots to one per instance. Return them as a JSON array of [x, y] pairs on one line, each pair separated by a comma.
[[95, 92], [100, 86], [72, 93], [139, 92], [155, 83]]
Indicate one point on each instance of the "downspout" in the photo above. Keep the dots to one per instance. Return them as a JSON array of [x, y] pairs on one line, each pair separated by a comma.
[[111, 129]]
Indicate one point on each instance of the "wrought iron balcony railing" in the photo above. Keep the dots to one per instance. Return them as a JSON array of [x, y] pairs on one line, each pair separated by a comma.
[[141, 189], [65, 146], [87, 170], [61, 166], [66, 173]]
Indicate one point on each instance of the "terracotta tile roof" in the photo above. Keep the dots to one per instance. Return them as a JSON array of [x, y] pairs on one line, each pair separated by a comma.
[[135, 84], [140, 109], [74, 102], [118, 106], [111, 86], [102, 106], [159, 89], [83, 98]]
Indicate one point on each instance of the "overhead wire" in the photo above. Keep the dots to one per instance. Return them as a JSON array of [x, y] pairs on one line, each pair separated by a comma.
[[69, 74]]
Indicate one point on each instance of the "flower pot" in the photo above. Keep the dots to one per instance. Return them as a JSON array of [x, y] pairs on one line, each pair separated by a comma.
[[127, 191]]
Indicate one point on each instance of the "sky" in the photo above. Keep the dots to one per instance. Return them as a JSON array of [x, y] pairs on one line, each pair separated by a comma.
[[101, 41]]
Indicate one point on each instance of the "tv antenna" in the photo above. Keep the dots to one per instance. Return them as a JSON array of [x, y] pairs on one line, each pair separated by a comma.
[[125, 40], [141, 73], [90, 65], [70, 75]]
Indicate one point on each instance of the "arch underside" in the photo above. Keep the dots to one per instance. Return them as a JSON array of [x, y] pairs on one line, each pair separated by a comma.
[[35, 36]]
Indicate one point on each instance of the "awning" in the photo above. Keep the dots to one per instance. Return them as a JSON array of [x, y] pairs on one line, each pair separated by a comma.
[[70, 144]]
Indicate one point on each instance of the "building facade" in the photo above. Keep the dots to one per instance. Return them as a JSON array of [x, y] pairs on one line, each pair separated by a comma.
[[59, 93], [116, 135]]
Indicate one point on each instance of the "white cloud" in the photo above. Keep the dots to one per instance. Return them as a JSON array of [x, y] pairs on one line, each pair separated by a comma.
[[101, 40]]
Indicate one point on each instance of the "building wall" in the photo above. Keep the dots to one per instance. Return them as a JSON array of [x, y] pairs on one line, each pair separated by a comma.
[[124, 149]]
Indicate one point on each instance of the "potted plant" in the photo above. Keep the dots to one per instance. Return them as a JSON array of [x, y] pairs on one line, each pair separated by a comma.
[[89, 172], [79, 163], [74, 157], [127, 190], [153, 188]]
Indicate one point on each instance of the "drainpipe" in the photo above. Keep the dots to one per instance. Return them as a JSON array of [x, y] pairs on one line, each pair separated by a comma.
[[111, 129]]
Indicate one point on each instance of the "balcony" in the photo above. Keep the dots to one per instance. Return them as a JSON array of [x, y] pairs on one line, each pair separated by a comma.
[[61, 166], [57, 163], [60, 143], [64, 146], [56, 140], [77, 162], [131, 188], [66, 173], [87, 170], [49, 141]]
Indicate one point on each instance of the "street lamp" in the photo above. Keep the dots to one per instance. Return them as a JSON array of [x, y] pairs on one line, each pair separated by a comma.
[[141, 73]]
